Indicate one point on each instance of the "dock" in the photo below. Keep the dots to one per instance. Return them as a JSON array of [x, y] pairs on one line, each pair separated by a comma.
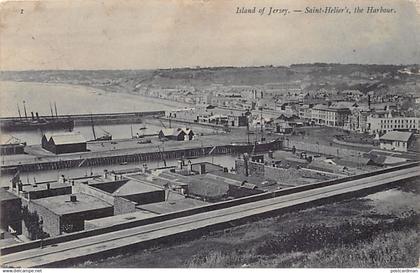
[[141, 154]]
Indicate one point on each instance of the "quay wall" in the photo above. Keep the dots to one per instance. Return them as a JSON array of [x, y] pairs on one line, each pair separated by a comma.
[[99, 119], [139, 157], [322, 149]]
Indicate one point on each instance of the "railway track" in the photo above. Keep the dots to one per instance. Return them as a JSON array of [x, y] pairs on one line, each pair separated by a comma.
[[143, 235]]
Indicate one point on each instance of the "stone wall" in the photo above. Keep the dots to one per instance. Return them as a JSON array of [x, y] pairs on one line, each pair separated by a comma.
[[290, 176], [84, 188], [51, 221], [122, 205], [322, 149], [254, 168]]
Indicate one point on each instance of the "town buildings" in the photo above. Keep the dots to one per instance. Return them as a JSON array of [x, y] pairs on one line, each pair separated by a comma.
[[396, 141], [329, 116], [381, 125]]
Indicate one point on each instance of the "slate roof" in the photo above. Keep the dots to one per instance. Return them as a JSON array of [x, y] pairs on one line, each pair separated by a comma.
[[61, 204], [175, 131], [65, 138], [397, 136]]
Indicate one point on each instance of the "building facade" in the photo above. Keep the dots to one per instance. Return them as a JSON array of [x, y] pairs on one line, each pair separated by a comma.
[[396, 141], [381, 125], [332, 117], [62, 143]]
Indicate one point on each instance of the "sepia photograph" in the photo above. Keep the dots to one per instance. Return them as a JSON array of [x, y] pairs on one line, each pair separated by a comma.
[[209, 134]]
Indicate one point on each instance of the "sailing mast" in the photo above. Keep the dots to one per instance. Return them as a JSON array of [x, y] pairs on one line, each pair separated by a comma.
[[20, 116], [55, 106], [93, 127], [24, 108], [52, 114], [261, 123]]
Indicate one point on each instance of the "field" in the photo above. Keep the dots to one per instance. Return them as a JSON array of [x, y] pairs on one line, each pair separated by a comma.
[[380, 230]]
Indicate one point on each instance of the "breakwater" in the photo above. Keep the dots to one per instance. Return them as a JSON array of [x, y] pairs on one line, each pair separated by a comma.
[[61, 121]]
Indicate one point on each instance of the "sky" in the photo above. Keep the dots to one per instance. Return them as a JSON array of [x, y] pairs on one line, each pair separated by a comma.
[[148, 34]]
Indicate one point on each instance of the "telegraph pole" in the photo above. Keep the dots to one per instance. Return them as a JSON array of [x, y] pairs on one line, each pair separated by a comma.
[[261, 123]]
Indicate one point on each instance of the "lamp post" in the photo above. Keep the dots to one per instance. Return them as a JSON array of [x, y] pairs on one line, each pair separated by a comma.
[[41, 232]]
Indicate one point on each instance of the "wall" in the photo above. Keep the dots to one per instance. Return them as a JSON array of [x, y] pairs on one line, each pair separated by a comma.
[[254, 168], [122, 205], [226, 204], [70, 148], [48, 193], [147, 197], [282, 176], [322, 149], [51, 221], [109, 186], [292, 176], [10, 214], [238, 192], [75, 222], [84, 188], [394, 146]]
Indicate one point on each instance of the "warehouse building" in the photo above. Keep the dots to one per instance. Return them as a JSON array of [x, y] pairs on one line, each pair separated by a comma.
[[62, 143], [66, 213], [396, 141], [179, 134]]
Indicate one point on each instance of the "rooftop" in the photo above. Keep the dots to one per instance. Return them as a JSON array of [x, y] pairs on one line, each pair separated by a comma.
[[119, 219], [43, 186], [62, 205], [65, 138], [135, 187], [397, 135], [178, 204], [5, 195]]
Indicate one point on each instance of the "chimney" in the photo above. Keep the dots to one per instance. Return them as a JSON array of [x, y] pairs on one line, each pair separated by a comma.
[[73, 198], [105, 173], [180, 164], [37, 116]]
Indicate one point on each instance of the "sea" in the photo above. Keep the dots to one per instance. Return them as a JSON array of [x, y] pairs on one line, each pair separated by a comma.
[[76, 99]]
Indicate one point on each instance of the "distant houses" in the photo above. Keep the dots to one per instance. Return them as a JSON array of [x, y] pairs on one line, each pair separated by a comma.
[[179, 134]]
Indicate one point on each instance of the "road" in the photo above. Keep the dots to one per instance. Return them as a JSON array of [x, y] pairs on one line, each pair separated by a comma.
[[77, 249]]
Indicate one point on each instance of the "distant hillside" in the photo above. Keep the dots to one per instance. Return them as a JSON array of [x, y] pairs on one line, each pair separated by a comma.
[[341, 76]]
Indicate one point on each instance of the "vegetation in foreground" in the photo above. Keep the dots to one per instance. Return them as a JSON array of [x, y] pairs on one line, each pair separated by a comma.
[[353, 233]]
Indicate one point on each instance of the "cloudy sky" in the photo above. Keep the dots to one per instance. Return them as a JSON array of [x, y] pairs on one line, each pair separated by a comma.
[[132, 34]]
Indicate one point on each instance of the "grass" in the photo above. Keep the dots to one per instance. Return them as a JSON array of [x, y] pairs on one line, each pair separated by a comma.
[[319, 246], [349, 233]]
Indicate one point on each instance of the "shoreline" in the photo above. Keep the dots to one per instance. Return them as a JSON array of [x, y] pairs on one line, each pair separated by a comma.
[[97, 91]]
